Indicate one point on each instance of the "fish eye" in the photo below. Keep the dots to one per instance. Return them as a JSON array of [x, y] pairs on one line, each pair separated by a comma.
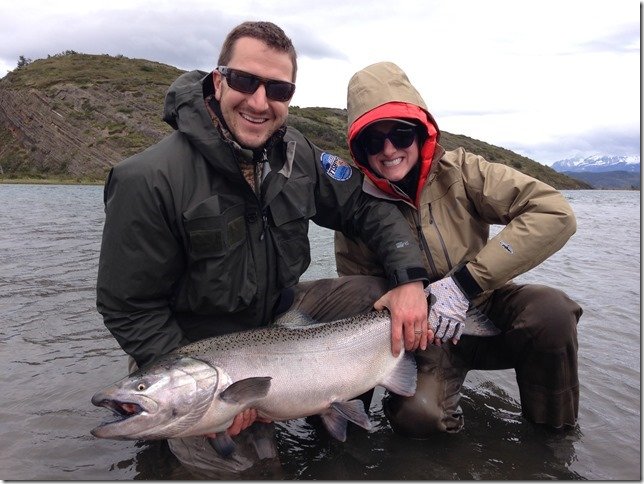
[[140, 387]]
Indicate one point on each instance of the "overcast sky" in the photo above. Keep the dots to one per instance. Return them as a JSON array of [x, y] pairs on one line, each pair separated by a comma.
[[549, 79]]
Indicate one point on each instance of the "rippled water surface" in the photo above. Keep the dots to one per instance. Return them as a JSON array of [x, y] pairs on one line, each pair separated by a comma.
[[55, 353]]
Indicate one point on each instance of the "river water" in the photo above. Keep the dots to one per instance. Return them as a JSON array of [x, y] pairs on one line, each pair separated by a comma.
[[55, 353]]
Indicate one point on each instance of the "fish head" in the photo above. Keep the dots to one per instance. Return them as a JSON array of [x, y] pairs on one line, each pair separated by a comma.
[[159, 402]]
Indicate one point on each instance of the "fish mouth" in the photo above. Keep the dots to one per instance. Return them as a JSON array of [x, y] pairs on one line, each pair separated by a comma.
[[122, 412]]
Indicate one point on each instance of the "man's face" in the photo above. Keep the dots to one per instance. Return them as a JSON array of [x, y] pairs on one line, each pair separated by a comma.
[[253, 118]]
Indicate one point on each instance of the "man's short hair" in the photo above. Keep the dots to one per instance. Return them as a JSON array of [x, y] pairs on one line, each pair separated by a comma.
[[267, 32]]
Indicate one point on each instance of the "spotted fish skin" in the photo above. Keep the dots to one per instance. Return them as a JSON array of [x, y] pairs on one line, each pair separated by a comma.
[[292, 369], [289, 370]]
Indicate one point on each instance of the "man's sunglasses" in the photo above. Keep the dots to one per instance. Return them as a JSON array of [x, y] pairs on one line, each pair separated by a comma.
[[400, 136], [248, 83]]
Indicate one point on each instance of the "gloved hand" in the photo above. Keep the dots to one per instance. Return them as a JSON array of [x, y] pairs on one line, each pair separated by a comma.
[[447, 313]]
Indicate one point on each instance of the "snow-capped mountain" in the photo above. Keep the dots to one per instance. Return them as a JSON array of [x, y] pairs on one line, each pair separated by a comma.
[[598, 164]]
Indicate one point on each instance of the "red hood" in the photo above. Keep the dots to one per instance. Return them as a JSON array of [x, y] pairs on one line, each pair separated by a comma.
[[396, 110]]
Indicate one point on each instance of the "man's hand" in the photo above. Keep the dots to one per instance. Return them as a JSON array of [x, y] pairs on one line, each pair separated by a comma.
[[448, 311], [242, 421], [407, 304]]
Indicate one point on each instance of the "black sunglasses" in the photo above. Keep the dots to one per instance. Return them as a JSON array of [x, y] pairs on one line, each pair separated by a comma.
[[248, 83], [400, 136]]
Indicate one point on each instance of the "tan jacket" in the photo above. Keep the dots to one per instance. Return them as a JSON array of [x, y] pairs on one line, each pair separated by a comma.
[[462, 195]]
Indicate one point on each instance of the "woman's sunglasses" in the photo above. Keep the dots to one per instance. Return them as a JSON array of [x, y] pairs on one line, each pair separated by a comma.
[[400, 136], [248, 83]]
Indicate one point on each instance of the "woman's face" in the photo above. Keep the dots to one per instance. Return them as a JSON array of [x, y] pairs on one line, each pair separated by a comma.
[[391, 159]]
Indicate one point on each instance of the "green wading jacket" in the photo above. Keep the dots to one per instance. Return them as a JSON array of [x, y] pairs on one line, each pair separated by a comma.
[[189, 249]]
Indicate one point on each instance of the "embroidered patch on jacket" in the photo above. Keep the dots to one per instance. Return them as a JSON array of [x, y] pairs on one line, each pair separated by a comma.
[[506, 246], [335, 167]]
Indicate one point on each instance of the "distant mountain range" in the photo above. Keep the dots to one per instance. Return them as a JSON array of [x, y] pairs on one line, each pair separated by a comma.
[[598, 164], [603, 172]]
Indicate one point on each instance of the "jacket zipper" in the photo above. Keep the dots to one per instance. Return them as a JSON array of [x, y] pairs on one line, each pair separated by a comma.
[[423, 242], [258, 181], [257, 192], [259, 171], [440, 237]]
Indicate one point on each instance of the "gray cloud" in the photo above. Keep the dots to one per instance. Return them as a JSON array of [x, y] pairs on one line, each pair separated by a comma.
[[189, 35], [187, 38]]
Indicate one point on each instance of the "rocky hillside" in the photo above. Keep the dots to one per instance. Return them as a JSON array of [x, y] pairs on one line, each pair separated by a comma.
[[72, 116]]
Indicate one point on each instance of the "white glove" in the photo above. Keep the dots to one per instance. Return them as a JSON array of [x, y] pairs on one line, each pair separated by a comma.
[[447, 314]]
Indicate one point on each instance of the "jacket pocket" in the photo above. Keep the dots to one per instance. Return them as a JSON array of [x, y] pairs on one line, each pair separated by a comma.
[[221, 274], [291, 211]]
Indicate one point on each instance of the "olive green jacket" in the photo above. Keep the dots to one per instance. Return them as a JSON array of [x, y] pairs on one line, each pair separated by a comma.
[[458, 200], [190, 250]]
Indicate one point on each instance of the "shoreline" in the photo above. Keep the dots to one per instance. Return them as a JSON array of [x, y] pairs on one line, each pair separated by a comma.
[[49, 181], [76, 181]]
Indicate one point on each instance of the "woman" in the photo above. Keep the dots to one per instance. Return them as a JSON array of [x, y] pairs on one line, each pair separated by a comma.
[[451, 199]]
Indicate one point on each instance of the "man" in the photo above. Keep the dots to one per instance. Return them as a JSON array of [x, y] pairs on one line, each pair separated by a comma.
[[206, 231], [451, 199]]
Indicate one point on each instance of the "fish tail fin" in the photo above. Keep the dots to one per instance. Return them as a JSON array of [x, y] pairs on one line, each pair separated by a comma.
[[402, 381], [478, 324]]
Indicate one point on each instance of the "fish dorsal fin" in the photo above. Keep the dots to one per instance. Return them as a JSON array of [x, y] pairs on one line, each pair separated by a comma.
[[402, 380], [247, 390], [294, 319], [336, 416]]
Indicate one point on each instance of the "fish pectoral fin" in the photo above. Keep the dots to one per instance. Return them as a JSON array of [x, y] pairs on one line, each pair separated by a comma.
[[335, 418], [222, 443], [478, 324], [402, 380], [247, 390]]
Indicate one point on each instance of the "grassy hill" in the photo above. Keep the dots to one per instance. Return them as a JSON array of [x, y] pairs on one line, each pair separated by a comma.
[[72, 116]]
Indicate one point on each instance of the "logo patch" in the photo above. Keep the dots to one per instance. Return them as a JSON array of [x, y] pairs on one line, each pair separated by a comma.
[[506, 246], [335, 167]]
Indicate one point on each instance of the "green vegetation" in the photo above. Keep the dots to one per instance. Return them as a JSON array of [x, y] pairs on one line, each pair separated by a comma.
[[90, 70]]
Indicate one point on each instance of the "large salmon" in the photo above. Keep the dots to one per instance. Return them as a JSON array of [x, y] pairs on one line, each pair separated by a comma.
[[288, 370]]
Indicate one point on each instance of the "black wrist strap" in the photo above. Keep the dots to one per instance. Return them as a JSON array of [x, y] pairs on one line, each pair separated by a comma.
[[466, 282]]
